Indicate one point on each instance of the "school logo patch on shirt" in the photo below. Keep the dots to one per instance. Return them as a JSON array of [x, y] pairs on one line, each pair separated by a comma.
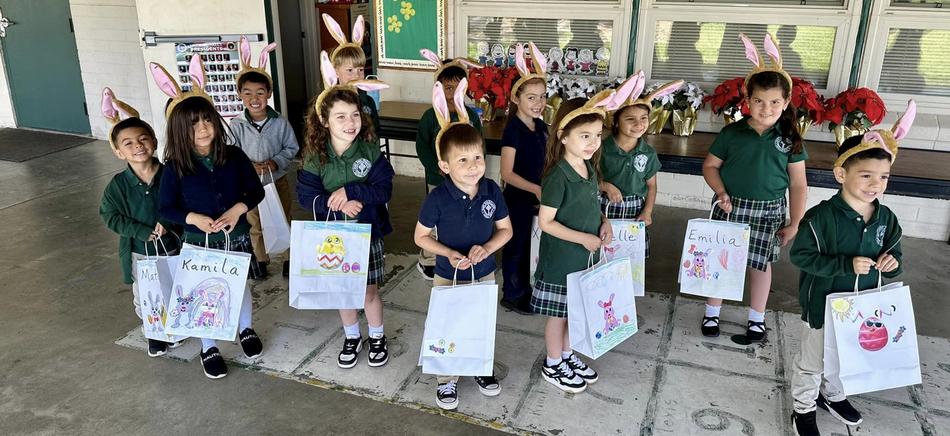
[[361, 167], [783, 144], [640, 162], [367, 110], [488, 209], [880, 234]]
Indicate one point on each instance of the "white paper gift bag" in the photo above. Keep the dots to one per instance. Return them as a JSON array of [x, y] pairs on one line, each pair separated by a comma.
[[274, 225], [535, 247], [459, 336], [871, 339], [601, 312], [208, 293], [154, 278], [714, 259], [630, 241], [329, 261]]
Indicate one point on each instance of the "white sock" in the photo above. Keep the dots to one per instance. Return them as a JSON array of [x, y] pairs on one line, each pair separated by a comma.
[[566, 354], [712, 311], [376, 332], [244, 321], [757, 317], [352, 331], [552, 362]]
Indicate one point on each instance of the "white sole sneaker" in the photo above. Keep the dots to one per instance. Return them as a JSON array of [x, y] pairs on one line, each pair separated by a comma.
[[422, 271], [565, 388], [488, 392], [447, 406], [176, 344], [355, 360]]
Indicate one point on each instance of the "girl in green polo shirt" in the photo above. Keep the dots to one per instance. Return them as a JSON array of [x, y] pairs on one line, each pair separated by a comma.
[[573, 231], [750, 166]]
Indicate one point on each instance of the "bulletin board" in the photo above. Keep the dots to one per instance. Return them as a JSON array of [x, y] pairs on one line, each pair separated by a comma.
[[222, 63], [404, 27]]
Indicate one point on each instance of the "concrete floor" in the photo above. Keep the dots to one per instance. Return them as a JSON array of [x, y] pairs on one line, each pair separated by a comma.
[[60, 371]]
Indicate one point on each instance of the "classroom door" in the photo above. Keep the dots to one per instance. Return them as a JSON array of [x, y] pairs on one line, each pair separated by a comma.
[[42, 64]]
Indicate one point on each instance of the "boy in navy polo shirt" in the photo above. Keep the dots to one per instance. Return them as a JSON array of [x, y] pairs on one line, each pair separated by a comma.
[[473, 223]]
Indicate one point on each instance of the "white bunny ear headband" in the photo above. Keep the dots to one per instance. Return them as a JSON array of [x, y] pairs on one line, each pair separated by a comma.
[[331, 81], [752, 54], [359, 31], [630, 93], [442, 113], [463, 63], [882, 138], [166, 82], [261, 67], [115, 110], [540, 66]]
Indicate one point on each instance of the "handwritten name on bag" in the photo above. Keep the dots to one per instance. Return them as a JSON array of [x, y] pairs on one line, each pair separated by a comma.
[[221, 267]]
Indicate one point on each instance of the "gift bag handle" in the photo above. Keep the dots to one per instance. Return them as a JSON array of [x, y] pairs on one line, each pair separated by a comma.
[[269, 172], [227, 240], [155, 243], [456, 273], [713, 208], [313, 209], [858, 277]]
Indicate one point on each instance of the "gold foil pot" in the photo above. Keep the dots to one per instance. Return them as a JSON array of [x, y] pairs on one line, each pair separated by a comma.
[[684, 121], [843, 132], [487, 108], [658, 118]]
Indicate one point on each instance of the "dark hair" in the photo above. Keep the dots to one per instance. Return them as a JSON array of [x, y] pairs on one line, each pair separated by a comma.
[[451, 74], [460, 136], [129, 123], [180, 134], [615, 125], [512, 106], [769, 80], [253, 77], [854, 141], [316, 135], [556, 150]]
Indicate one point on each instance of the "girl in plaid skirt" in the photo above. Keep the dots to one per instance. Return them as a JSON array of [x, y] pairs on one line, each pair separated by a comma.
[[751, 165]]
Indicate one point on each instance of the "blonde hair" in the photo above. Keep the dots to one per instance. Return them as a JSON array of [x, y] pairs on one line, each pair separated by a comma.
[[349, 55]]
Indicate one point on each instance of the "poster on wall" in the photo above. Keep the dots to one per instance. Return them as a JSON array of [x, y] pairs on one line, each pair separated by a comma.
[[404, 27], [222, 63]]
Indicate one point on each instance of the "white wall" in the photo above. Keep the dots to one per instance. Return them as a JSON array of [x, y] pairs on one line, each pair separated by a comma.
[[7, 116]]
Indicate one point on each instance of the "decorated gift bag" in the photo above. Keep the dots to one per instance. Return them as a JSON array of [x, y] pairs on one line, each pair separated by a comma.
[[459, 336], [630, 241], [535, 247], [714, 258], [871, 339], [329, 261], [208, 292], [601, 312], [274, 224], [153, 276]]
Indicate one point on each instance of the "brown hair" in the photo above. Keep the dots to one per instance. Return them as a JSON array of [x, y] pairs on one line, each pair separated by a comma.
[[349, 55], [129, 123], [512, 106], [316, 135], [555, 149], [769, 80], [180, 134], [615, 125], [460, 136]]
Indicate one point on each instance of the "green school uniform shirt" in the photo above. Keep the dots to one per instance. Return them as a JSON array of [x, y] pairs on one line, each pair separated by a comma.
[[829, 237], [352, 166], [425, 142], [755, 167], [629, 170], [578, 208]]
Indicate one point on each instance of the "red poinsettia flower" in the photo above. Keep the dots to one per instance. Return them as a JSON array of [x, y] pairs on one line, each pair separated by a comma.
[[727, 96], [855, 106], [493, 83], [807, 101]]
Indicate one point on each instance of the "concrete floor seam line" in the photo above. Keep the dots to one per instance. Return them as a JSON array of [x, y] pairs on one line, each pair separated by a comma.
[[719, 371], [659, 374], [534, 378], [927, 428], [787, 406], [417, 372], [316, 351]]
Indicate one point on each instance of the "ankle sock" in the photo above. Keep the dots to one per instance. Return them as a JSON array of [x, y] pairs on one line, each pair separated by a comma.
[[566, 354], [376, 332], [552, 362], [712, 311], [757, 317], [352, 331]]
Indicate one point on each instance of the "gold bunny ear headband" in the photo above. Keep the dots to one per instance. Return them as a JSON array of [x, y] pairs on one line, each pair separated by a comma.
[[169, 86], [441, 107], [752, 54], [246, 66], [630, 93], [331, 82], [463, 63], [540, 67], [115, 111], [598, 104], [359, 31], [882, 138]]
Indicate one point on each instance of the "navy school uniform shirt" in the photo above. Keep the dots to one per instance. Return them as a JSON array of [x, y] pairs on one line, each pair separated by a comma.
[[464, 222], [530, 149]]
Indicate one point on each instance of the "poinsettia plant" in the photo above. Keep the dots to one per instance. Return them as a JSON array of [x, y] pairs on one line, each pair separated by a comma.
[[727, 98], [807, 102], [493, 83], [856, 107]]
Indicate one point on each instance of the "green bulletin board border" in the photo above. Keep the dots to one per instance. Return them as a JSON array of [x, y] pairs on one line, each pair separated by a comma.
[[408, 64]]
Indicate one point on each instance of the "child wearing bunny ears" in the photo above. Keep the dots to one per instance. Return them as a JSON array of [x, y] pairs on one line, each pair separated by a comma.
[[345, 176], [470, 210], [627, 163], [523, 145], [129, 204], [208, 186], [266, 137], [839, 244], [349, 61], [751, 164], [449, 74]]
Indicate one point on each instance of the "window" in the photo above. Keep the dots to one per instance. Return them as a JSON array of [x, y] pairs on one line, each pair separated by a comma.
[[916, 61], [918, 3], [806, 3]]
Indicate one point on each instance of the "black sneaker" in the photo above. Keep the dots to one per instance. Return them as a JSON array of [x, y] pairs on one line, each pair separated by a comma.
[[250, 343], [804, 424], [351, 352], [378, 352], [213, 364], [428, 272], [581, 369], [842, 410], [176, 344], [755, 332], [260, 273], [516, 307], [286, 269], [446, 396], [562, 376], [710, 326], [157, 348], [488, 386]]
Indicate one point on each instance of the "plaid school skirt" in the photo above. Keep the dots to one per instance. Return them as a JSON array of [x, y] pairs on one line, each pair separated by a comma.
[[628, 209], [549, 299], [239, 244], [374, 275], [764, 217]]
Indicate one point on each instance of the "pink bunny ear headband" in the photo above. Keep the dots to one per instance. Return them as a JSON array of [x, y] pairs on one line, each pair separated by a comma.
[[359, 30], [331, 82], [884, 139], [752, 54], [166, 82], [115, 110], [246, 66], [630, 93], [540, 66], [441, 107], [463, 63]]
